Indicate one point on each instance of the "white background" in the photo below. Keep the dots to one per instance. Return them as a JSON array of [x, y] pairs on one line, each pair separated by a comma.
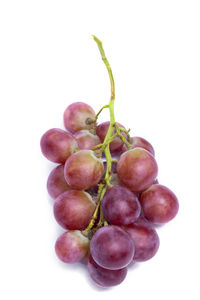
[[49, 60]]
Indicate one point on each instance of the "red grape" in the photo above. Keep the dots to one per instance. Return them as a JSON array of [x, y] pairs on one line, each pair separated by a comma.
[[71, 246], [112, 248], [86, 140], [140, 142], [56, 183], [137, 169], [74, 209], [159, 204], [83, 170], [101, 131], [120, 206], [77, 115], [105, 277], [145, 239], [57, 145]]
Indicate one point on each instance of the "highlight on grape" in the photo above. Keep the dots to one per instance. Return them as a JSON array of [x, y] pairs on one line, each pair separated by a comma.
[[106, 192]]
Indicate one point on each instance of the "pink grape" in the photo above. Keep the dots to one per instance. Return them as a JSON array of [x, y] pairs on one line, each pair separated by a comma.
[[101, 131], [77, 115], [145, 239], [104, 277], [71, 246], [56, 183], [112, 248], [160, 204], [137, 169], [86, 140], [74, 209], [57, 145], [140, 142], [120, 206], [83, 170]]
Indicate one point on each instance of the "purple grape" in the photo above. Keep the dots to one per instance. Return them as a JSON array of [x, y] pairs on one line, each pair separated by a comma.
[[86, 140], [145, 239], [71, 246], [112, 248], [120, 206], [137, 169], [56, 183], [77, 115], [104, 277], [57, 145], [74, 209], [160, 204], [83, 170]]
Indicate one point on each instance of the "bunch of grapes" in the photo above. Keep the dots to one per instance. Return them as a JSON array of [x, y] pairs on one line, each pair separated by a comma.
[[107, 196]]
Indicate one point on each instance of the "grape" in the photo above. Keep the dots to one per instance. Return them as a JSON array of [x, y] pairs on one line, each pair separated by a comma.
[[137, 169], [56, 183], [101, 131], [140, 142], [145, 239], [57, 145], [74, 209], [77, 115], [83, 170], [159, 204], [120, 206], [112, 248], [71, 246], [86, 140], [105, 277]]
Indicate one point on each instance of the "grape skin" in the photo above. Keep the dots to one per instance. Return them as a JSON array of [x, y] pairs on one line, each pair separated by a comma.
[[140, 142], [56, 183], [76, 115], [112, 248], [120, 206], [137, 169], [160, 204], [74, 209], [104, 277], [83, 170], [71, 246], [86, 140], [101, 131], [145, 239], [57, 145]]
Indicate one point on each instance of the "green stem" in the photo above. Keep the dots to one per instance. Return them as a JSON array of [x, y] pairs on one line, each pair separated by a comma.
[[122, 137], [101, 192], [107, 140], [96, 117], [111, 108]]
